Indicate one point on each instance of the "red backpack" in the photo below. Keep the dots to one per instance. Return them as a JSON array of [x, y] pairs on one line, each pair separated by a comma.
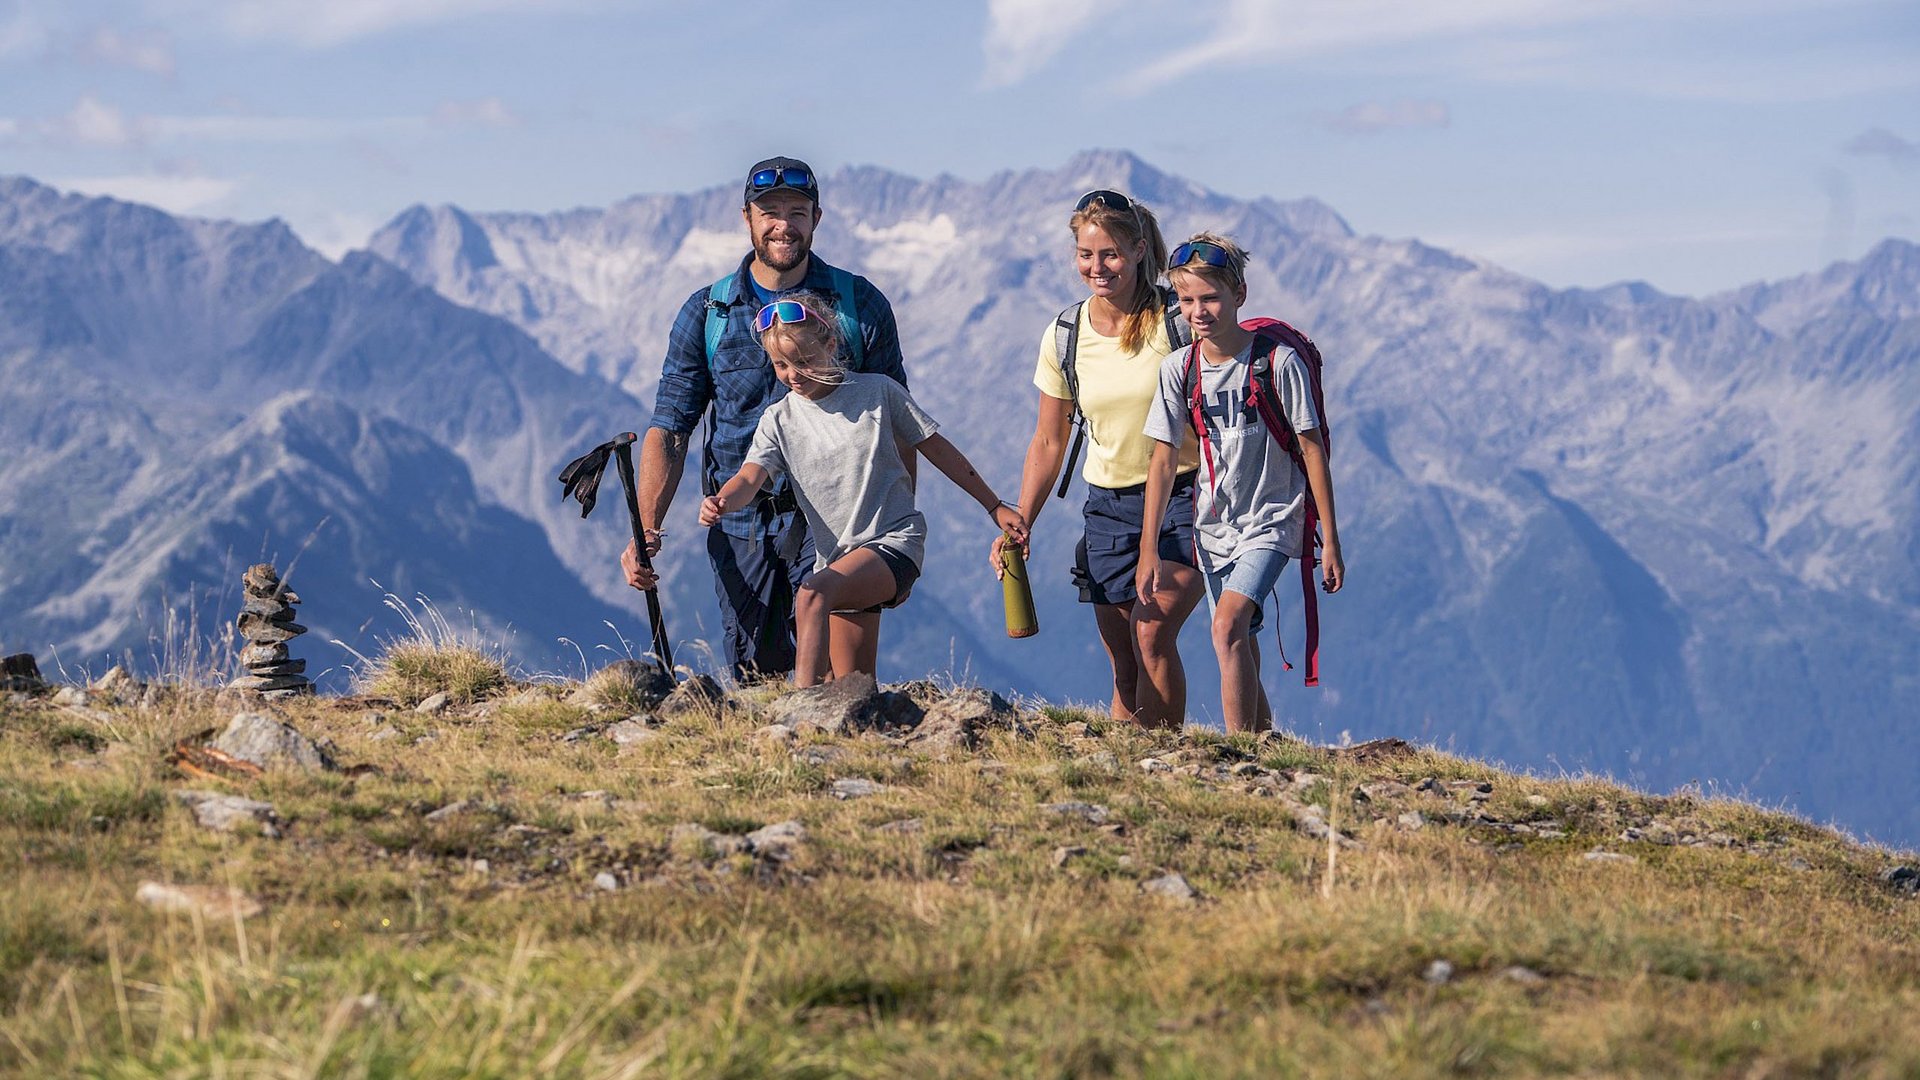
[[1268, 336]]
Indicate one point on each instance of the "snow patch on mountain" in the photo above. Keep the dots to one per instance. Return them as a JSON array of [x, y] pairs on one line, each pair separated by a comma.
[[909, 251]]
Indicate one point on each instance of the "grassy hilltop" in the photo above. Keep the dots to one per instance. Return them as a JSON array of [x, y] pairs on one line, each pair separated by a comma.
[[524, 883]]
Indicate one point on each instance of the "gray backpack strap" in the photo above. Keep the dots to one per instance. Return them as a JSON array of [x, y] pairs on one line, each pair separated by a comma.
[[1179, 334], [1066, 340]]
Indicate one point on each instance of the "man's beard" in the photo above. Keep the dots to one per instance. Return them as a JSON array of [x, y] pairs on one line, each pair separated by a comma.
[[762, 250]]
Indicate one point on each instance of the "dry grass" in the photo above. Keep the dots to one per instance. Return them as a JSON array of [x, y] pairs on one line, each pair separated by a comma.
[[479, 945]]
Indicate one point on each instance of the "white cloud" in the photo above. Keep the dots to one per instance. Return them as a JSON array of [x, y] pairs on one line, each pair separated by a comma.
[[1535, 41], [244, 128], [149, 50], [1372, 117], [93, 122], [1879, 142], [176, 193], [1022, 35], [482, 112], [335, 22], [21, 33], [333, 233]]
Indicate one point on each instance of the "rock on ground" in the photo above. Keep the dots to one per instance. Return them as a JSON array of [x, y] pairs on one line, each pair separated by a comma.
[[211, 901], [837, 708], [856, 787], [268, 743], [222, 812], [1173, 887], [698, 696]]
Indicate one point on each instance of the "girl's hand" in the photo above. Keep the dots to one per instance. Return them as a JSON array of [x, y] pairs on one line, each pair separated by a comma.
[[1012, 525], [711, 509], [1146, 576]]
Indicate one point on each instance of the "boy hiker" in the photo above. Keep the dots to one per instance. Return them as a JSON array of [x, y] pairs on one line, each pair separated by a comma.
[[715, 368], [1250, 400]]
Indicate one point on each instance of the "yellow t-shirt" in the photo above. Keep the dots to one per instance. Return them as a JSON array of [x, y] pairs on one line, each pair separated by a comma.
[[1116, 390]]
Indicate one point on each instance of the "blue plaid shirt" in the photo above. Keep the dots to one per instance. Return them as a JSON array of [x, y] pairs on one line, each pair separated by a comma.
[[739, 384]]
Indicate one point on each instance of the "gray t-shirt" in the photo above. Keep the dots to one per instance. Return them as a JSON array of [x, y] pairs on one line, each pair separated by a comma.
[[1254, 496], [842, 454]]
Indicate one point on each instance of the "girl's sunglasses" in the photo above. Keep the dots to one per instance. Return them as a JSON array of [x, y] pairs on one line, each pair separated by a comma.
[[1211, 254], [787, 176], [781, 311]]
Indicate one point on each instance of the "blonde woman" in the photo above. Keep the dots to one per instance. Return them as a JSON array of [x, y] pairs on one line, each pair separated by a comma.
[[1098, 372]]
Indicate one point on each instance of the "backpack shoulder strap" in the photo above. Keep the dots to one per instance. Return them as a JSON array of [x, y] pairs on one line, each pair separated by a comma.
[[1066, 341], [1066, 344], [1179, 334], [1190, 380], [849, 312], [717, 304]]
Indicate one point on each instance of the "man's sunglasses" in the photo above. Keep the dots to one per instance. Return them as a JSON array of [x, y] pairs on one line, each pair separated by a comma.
[[781, 311], [1211, 254], [785, 176]]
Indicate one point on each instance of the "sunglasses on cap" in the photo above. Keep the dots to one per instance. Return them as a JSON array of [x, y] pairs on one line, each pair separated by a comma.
[[790, 176], [781, 311], [1202, 251]]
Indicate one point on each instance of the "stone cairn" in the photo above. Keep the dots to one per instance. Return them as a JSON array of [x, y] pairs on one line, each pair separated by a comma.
[[266, 622]]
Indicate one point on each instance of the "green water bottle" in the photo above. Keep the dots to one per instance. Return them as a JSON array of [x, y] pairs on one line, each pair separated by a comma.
[[1021, 621]]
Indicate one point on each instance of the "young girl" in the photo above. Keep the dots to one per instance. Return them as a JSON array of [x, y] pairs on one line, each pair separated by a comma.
[[1115, 340], [844, 439]]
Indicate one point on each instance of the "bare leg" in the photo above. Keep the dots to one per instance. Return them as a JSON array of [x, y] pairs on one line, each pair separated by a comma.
[[1239, 673], [1264, 715], [855, 642], [1116, 634], [1161, 700], [858, 579]]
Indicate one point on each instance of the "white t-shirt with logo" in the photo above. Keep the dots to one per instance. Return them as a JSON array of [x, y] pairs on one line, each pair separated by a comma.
[[1254, 496]]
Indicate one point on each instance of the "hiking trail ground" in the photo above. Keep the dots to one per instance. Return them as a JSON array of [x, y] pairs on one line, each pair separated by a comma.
[[545, 880]]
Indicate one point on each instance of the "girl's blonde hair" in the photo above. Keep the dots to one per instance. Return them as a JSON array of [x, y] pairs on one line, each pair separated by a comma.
[[1146, 309], [1228, 277], [816, 337]]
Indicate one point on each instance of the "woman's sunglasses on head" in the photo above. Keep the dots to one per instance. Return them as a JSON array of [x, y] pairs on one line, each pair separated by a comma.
[[1113, 200]]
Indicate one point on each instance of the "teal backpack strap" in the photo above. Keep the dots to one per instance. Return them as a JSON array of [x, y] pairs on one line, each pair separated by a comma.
[[717, 315], [849, 311]]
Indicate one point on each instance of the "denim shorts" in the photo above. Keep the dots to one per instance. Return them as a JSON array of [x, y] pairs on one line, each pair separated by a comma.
[[1109, 550], [1253, 575]]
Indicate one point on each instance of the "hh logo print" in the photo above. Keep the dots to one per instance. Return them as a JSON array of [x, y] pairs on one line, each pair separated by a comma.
[[1228, 408]]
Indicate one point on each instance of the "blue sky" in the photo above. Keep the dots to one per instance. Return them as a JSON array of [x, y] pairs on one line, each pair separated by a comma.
[[1697, 146]]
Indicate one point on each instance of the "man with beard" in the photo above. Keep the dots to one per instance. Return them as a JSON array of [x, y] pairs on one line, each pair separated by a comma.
[[716, 368]]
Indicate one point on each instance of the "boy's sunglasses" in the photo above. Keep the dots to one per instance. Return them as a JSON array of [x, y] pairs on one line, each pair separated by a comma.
[[781, 311], [1111, 199], [785, 176], [1211, 254]]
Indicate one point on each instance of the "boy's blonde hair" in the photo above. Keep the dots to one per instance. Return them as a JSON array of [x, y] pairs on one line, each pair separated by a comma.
[[818, 336], [1231, 276]]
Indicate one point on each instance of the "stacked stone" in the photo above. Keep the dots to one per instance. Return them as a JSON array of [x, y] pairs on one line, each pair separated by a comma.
[[266, 622]]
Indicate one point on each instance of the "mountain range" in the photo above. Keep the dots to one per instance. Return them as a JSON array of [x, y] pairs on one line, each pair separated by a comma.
[[1671, 539]]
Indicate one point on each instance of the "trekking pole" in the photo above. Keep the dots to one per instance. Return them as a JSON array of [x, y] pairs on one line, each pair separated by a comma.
[[581, 479]]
